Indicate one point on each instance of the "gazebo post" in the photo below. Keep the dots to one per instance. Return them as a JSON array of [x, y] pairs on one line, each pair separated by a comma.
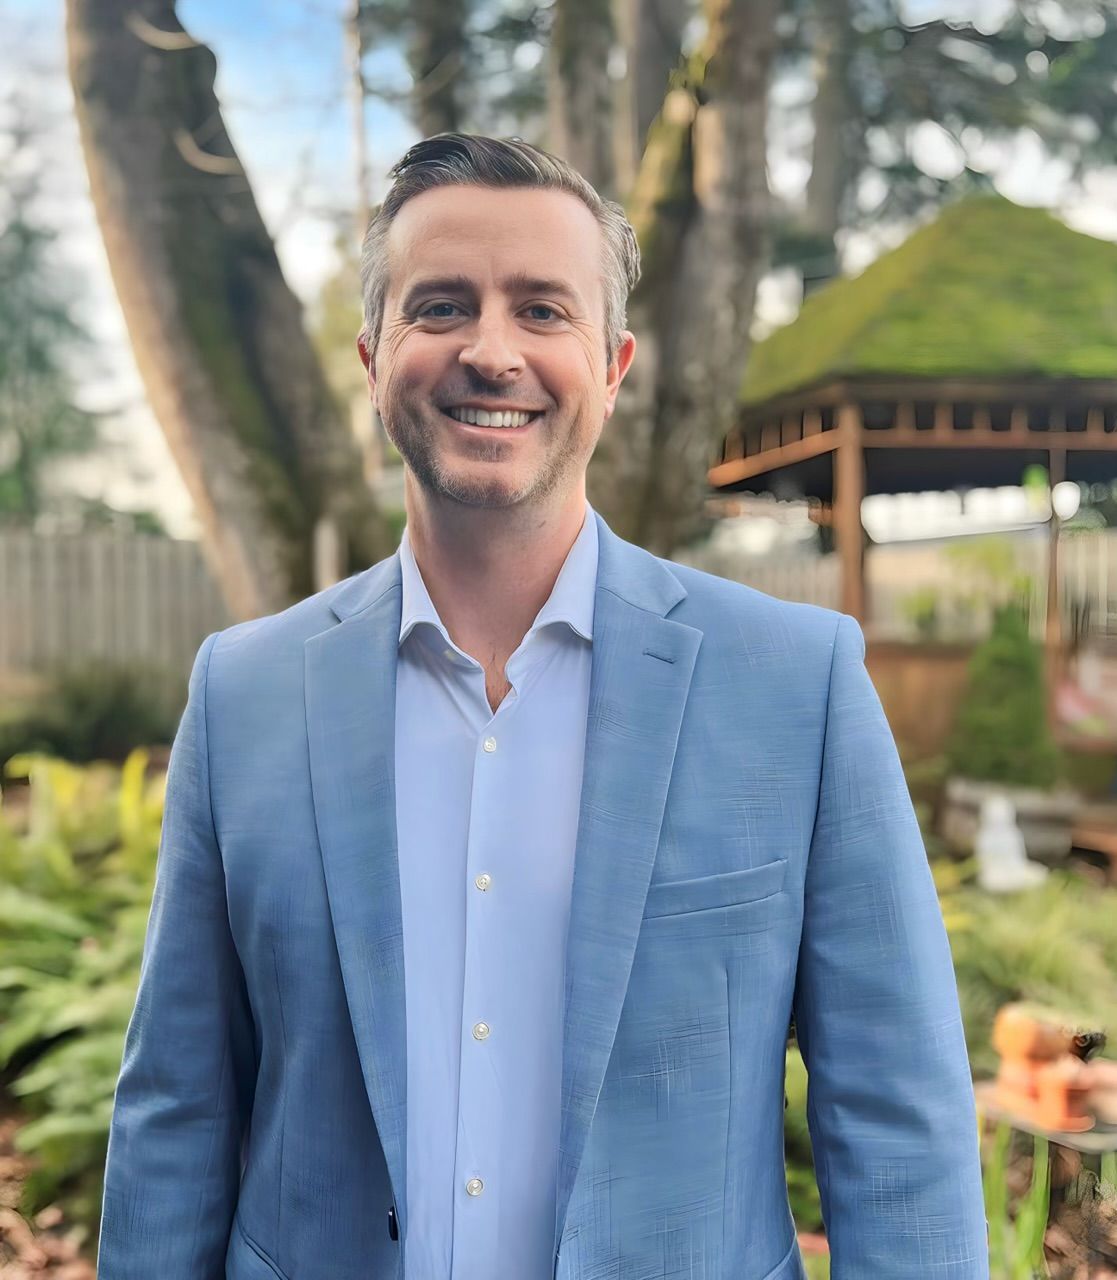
[[849, 490], [1053, 631]]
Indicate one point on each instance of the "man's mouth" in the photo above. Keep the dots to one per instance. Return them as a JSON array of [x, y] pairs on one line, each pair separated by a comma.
[[509, 420]]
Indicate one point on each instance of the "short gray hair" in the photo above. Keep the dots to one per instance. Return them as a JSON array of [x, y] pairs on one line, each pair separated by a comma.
[[465, 159]]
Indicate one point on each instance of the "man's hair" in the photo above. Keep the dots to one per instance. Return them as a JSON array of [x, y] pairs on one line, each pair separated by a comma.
[[466, 159]]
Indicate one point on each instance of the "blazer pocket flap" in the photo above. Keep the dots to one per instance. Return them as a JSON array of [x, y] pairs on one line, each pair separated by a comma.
[[672, 897]]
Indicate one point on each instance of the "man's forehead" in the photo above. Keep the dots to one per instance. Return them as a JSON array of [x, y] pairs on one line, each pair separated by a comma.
[[522, 234], [467, 205]]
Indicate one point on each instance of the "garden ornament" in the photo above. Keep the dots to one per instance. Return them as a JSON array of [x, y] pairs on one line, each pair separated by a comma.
[[1002, 862]]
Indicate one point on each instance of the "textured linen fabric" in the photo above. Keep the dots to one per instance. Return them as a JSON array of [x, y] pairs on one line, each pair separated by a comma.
[[488, 957], [746, 849]]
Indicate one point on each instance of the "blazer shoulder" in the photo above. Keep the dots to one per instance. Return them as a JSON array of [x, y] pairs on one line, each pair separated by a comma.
[[722, 605], [262, 648]]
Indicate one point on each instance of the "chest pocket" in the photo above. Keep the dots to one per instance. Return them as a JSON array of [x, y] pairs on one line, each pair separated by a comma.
[[726, 889]]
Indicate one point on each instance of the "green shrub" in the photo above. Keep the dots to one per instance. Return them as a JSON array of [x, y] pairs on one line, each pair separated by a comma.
[[1001, 733], [96, 711]]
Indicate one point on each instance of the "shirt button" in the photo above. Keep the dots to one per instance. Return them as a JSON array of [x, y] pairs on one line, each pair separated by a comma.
[[474, 1187], [489, 744], [480, 1031], [483, 881]]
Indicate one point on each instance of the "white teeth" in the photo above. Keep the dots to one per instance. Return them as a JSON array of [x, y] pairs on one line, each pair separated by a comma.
[[481, 418]]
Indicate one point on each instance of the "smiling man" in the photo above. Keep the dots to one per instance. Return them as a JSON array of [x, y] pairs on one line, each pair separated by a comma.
[[491, 878]]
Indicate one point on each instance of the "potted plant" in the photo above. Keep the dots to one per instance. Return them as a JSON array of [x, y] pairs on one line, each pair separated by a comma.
[[1002, 743]]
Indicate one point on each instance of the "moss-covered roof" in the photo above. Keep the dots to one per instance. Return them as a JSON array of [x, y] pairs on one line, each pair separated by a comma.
[[989, 289]]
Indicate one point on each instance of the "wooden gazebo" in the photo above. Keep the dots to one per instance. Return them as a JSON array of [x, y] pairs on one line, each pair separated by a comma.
[[986, 342]]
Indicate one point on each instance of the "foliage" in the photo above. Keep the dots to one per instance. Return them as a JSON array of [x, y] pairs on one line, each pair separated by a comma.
[[921, 608], [949, 302], [802, 1190], [396, 519], [988, 568], [336, 321], [75, 893], [1001, 733], [1016, 1245], [1053, 944], [497, 81], [96, 711], [1028, 65], [40, 419]]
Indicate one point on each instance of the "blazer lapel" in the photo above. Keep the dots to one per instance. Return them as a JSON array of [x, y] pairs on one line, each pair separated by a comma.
[[350, 716], [641, 671]]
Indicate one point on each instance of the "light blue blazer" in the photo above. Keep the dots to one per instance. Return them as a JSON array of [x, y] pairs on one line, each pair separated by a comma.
[[747, 850]]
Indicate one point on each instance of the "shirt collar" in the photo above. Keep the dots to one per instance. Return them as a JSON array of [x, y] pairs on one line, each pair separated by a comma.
[[571, 599]]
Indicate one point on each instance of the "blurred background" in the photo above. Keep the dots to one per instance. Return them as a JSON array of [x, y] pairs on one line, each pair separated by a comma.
[[877, 371]]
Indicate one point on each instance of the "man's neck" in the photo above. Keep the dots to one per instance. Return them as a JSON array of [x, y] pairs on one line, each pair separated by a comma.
[[489, 571]]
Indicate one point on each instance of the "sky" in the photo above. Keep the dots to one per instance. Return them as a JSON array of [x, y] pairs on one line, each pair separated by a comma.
[[281, 83]]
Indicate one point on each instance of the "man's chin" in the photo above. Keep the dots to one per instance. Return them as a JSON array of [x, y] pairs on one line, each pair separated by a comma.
[[470, 490]]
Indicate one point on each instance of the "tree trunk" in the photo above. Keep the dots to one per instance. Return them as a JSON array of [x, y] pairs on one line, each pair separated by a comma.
[[831, 176], [701, 210], [439, 64], [218, 335], [580, 91], [652, 34], [830, 111]]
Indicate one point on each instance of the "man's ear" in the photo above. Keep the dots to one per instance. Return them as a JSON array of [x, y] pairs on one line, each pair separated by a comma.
[[616, 371], [366, 354]]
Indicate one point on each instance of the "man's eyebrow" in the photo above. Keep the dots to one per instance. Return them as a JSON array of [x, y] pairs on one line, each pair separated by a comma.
[[520, 282]]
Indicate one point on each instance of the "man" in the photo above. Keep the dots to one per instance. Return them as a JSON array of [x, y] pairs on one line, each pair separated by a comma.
[[491, 878]]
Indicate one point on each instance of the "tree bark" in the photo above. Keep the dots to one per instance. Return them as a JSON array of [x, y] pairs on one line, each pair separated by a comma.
[[439, 64], [811, 235], [652, 34], [217, 334], [830, 176], [580, 91], [701, 209]]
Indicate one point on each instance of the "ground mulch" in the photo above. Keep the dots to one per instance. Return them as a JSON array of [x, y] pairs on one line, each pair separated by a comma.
[[44, 1247]]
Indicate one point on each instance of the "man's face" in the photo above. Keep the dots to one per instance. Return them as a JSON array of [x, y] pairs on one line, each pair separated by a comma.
[[495, 300]]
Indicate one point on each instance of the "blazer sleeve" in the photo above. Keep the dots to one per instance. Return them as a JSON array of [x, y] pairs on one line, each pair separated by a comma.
[[890, 1103], [184, 1091]]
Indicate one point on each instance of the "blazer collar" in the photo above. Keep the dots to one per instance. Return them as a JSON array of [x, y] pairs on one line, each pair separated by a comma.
[[628, 571]]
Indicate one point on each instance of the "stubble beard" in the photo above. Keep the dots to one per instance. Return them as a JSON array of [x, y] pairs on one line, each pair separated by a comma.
[[417, 443]]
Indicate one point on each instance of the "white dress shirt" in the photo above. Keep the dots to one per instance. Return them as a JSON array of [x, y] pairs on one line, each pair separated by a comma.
[[487, 810]]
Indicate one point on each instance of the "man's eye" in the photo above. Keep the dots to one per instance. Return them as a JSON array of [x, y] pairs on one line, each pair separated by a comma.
[[426, 311], [542, 306]]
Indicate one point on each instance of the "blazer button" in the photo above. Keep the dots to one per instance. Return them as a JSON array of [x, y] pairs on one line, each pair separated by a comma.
[[393, 1225]]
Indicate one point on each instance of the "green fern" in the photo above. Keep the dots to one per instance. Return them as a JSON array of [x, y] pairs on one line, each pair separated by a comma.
[[76, 881]]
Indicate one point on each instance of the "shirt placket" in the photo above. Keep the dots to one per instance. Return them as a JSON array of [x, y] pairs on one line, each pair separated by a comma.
[[477, 1189]]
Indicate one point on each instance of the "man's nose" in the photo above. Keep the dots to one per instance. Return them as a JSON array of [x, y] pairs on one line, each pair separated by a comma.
[[492, 349]]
